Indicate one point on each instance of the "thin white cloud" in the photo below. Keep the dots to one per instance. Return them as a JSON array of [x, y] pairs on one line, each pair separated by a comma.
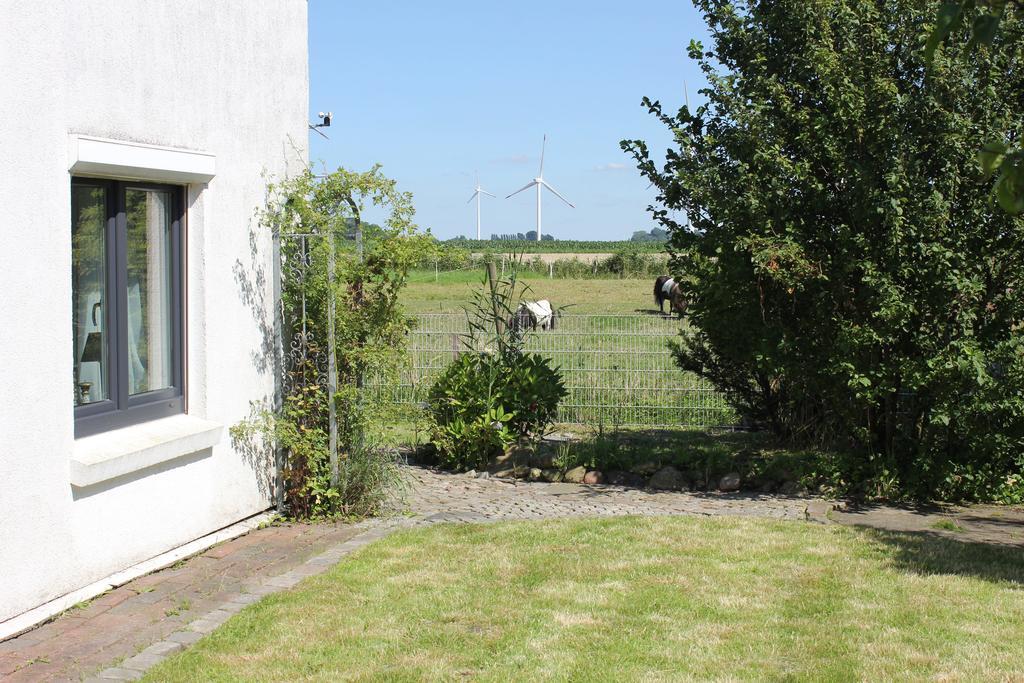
[[613, 166]]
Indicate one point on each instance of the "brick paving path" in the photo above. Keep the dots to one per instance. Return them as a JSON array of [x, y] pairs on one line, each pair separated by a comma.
[[125, 631], [126, 620]]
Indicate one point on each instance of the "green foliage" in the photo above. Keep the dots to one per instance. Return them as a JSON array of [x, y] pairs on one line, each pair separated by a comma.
[[953, 15], [334, 264], [467, 403], [998, 157], [368, 478], [849, 282], [703, 458], [494, 392]]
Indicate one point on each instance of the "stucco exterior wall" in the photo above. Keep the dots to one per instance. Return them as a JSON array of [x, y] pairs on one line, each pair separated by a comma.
[[228, 78]]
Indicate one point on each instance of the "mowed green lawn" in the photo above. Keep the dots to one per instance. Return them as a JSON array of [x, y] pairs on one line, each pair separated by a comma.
[[453, 290], [633, 599]]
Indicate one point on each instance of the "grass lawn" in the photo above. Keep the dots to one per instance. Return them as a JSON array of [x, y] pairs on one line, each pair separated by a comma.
[[452, 291], [635, 599]]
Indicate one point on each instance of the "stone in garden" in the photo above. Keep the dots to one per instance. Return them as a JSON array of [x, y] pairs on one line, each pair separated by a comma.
[[668, 478], [519, 453], [575, 475], [535, 474], [730, 482], [789, 488], [558, 437], [620, 478], [648, 467], [552, 475], [544, 460], [500, 462], [593, 477]]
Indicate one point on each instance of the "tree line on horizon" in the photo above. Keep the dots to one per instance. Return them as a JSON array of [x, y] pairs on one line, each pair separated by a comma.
[[655, 234]]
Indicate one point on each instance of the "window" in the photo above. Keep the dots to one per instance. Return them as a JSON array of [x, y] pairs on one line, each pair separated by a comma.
[[127, 302]]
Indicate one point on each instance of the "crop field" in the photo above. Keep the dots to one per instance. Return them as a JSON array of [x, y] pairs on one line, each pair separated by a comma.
[[611, 345]]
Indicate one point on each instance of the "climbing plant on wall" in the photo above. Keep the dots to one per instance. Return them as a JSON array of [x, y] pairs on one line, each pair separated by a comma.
[[342, 321]]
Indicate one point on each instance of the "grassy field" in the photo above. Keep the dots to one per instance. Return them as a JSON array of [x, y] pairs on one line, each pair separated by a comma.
[[611, 344], [452, 290], [659, 599]]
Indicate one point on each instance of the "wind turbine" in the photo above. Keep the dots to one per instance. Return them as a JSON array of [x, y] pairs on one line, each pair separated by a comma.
[[476, 195], [540, 182]]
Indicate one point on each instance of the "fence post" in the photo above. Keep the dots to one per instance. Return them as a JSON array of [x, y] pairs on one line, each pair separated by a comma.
[[435, 270], [551, 270], [332, 362], [279, 368]]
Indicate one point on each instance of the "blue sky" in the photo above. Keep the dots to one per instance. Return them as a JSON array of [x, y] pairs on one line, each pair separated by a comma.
[[436, 91]]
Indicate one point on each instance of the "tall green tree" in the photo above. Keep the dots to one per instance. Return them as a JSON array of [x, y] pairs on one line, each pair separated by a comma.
[[1002, 158], [850, 281]]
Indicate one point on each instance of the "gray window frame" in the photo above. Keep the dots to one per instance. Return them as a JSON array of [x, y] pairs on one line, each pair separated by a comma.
[[122, 409]]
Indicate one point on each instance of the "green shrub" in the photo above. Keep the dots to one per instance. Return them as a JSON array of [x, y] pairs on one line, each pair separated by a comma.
[[484, 401], [494, 393]]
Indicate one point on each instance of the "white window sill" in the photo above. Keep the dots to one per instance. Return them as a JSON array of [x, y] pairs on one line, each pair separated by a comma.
[[119, 452]]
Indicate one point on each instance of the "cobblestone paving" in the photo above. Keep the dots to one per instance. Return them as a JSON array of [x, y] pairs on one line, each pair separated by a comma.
[[440, 496]]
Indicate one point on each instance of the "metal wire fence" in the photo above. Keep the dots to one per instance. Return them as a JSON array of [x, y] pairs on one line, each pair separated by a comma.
[[618, 370]]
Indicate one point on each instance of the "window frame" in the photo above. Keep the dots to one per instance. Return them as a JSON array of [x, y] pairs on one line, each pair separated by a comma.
[[121, 409]]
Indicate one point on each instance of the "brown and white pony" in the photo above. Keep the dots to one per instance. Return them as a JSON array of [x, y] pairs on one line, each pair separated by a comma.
[[531, 315], [667, 289]]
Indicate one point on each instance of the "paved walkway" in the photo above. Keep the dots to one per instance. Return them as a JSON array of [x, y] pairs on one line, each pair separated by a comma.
[[122, 633], [442, 496], [123, 622]]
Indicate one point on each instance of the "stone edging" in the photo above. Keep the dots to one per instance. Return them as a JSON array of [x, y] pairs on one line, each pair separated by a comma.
[[135, 667]]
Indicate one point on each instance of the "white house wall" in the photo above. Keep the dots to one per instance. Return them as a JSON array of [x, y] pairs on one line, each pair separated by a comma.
[[224, 77]]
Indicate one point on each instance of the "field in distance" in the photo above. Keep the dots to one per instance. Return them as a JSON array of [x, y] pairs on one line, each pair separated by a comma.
[[453, 290], [554, 246], [612, 348]]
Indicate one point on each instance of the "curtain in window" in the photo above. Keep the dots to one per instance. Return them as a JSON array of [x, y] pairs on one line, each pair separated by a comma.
[[149, 290]]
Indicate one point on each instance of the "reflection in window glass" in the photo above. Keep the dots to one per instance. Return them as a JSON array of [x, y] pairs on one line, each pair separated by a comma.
[[89, 276], [148, 213]]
